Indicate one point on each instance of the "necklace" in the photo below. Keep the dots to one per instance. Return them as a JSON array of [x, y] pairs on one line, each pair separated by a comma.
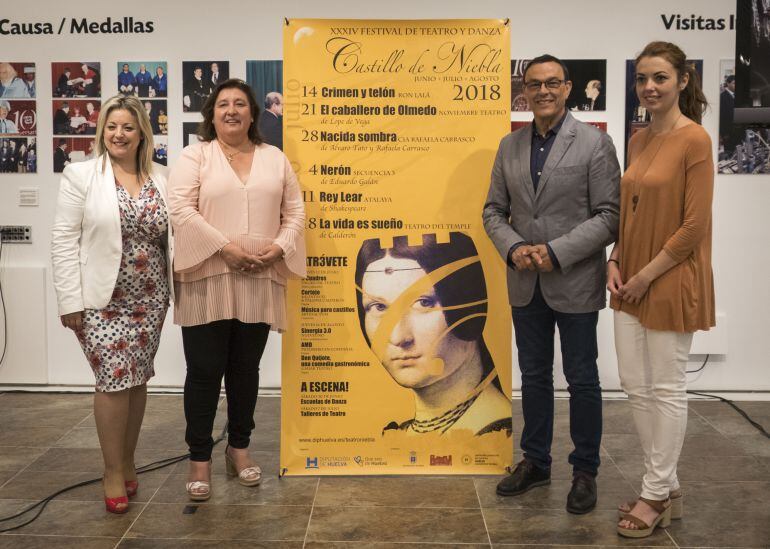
[[638, 180], [228, 155], [450, 417]]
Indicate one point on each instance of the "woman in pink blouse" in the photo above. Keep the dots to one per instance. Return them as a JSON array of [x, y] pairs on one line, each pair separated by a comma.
[[238, 217]]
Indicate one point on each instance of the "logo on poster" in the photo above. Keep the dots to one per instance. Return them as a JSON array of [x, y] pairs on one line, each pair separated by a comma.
[[412, 457], [467, 459], [358, 460], [444, 461], [311, 463]]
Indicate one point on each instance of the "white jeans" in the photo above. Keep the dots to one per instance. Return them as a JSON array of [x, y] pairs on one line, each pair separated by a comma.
[[652, 366]]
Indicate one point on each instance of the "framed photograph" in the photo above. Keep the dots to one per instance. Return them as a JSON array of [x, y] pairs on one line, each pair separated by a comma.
[[157, 111], [18, 155], [589, 84], [18, 117], [160, 151], [199, 78], [67, 150], [143, 78], [518, 98], [17, 80], [266, 79], [190, 133], [75, 116], [76, 79]]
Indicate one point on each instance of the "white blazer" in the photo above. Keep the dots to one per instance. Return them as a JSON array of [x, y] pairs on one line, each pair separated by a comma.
[[86, 245]]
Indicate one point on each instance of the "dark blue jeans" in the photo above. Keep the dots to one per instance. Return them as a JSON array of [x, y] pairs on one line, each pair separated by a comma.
[[534, 327]]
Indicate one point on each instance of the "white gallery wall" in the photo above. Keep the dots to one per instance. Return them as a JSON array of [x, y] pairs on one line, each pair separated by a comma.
[[41, 352]]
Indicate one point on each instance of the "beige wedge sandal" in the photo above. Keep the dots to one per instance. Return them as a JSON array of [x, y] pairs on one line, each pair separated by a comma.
[[677, 505], [644, 530]]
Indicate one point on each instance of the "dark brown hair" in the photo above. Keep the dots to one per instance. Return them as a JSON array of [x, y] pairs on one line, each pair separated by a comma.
[[692, 102], [206, 129]]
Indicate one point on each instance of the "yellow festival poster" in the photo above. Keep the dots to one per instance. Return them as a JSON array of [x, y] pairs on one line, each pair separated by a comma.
[[398, 359]]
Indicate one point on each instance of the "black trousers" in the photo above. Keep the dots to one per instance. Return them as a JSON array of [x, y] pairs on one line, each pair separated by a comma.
[[534, 325], [226, 348]]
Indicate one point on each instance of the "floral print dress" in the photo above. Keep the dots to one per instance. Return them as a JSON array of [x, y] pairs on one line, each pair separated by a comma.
[[120, 340]]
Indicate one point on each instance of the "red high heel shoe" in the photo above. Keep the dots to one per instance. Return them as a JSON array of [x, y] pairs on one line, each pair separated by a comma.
[[112, 504], [132, 487]]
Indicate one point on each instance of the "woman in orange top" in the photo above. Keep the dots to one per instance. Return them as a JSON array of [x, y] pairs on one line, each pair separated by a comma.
[[659, 273]]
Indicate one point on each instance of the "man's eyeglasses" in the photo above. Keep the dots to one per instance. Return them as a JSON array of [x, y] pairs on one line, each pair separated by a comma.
[[535, 85]]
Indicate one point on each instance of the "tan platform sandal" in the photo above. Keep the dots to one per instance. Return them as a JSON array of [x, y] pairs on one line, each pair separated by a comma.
[[249, 476], [677, 505], [200, 490], [644, 530]]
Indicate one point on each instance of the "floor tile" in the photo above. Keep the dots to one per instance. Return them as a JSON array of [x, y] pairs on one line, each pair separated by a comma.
[[52, 401], [225, 490], [224, 522], [396, 492], [89, 460], [399, 545], [755, 445], [709, 408], [146, 543], [41, 484], [11, 435], [27, 418], [17, 541], [389, 524], [15, 458], [745, 528], [554, 496], [74, 518], [557, 527], [693, 468], [731, 425]]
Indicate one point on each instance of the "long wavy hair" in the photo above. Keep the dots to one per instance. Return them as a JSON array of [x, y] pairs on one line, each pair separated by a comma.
[[692, 101]]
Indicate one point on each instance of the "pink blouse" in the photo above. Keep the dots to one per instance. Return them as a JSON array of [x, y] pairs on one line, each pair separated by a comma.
[[210, 207]]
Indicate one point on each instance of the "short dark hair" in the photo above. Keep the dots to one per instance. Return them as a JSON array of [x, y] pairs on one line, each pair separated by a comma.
[[206, 129], [547, 58], [730, 78]]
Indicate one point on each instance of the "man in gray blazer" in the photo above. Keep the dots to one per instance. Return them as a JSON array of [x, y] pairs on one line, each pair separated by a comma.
[[552, 208]]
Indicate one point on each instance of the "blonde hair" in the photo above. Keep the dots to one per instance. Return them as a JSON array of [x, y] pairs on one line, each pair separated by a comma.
[[146, 144]]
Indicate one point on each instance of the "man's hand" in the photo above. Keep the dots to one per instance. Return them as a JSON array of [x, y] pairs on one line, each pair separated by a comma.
[[521, 259], [539, 255]]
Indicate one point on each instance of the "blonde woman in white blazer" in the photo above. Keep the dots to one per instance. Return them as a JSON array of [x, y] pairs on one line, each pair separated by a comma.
[[111, 248]]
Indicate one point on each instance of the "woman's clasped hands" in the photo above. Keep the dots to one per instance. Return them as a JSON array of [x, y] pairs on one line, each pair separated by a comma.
[[239, 260]]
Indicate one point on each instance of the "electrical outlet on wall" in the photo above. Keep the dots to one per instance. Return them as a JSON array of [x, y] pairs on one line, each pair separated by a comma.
[[16, 234]]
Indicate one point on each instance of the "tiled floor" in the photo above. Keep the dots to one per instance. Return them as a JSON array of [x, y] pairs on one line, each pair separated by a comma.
[[49, 441]]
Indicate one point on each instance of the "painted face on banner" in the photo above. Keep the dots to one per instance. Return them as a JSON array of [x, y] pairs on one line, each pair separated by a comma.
[[658, 85], [419, 351]]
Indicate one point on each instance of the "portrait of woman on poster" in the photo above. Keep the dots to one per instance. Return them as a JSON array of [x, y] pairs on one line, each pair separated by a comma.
[[436, 346]]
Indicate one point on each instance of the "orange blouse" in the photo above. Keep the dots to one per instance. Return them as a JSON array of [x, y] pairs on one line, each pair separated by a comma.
[[665, 204]]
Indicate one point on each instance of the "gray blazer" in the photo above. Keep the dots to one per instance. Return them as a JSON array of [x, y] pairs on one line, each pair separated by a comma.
[[575, 211]]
